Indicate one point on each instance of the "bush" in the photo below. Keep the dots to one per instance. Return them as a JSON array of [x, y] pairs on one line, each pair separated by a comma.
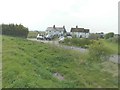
[[98, 52], [113, 40], [77, 42], [109, 35]]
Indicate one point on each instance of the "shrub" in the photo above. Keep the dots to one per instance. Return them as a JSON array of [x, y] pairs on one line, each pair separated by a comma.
[[109, 35], [98, 52], [77, 42], [113, 40]]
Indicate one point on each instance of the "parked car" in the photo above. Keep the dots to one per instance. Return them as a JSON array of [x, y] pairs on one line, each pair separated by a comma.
[[48, 37], [61, 39], [40, 37]]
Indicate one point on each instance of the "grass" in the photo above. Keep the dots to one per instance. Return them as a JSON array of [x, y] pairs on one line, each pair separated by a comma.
[[32, 34], [0, 62], [85, 43], [30, 64], [81, 42], [113, 47]]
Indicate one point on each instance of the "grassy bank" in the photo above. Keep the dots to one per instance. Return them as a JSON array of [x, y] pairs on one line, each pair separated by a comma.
[[80, 42], [86, 43], [33, 64], [113, 47]]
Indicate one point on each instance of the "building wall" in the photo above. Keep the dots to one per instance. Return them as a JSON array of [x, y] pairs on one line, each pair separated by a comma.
[[55, 32], [87, 35], [80, 34]]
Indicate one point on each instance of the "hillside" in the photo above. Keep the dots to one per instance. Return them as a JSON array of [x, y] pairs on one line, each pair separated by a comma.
[[37, 65]]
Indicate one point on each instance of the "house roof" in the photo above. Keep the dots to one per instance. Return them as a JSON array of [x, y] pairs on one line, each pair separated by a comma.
[[55, 29], [79, 30]]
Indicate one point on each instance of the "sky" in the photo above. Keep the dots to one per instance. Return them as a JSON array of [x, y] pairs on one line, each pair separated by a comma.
[[96, 15]]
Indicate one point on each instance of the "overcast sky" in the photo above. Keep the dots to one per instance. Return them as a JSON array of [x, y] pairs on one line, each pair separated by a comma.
[[96, 15]]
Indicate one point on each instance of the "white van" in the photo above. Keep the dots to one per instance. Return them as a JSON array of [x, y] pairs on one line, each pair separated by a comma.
[[40, 37]]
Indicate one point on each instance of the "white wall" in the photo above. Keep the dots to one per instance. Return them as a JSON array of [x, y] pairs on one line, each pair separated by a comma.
[[78, 34], [55, 32]]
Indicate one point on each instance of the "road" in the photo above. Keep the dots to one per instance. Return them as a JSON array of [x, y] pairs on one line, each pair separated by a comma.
[[112, 58]]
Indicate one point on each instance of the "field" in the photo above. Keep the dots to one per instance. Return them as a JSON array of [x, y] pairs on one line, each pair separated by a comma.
[[112, 46], [33, 34], [30, 64]]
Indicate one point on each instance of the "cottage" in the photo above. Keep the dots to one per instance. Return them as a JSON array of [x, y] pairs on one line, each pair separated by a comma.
[[59, 31], [80, 32], [100, 35]]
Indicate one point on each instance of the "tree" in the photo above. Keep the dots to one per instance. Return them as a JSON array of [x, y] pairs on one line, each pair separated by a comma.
[[109, 35], [15, 30]]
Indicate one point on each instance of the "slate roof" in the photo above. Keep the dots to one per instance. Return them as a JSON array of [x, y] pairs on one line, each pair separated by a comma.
[[79, 30], [55, 29]]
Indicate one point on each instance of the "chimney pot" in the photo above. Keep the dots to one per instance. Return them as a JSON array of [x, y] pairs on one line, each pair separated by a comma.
[[76, 26], [53, 26], [64, 27]]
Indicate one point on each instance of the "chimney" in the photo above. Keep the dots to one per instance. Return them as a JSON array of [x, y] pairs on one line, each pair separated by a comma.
[[76, 26], [53, 26], [64, 27]]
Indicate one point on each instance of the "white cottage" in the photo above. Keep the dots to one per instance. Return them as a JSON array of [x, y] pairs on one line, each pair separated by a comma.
[[80, 32], [59, 31]]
